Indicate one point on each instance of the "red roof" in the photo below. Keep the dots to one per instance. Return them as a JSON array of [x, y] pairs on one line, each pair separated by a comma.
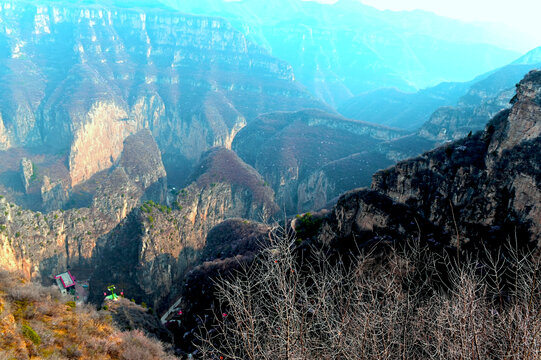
[[67, 279]]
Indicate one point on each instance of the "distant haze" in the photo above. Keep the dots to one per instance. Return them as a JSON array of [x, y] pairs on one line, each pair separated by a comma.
[[520, 16]]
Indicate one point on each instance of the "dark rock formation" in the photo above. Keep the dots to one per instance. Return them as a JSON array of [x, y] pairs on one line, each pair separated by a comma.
[[310, 157], [149, 252], [230, 246], [490, 181], [485, 98], [130, 316], [42, 245]]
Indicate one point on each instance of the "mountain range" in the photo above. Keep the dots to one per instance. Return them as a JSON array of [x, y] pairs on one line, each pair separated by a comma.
[[347, 48], [156, 146]]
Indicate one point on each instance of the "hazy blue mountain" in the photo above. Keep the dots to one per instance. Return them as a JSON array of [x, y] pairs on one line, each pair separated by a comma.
[[345, 49], [532, 57], [404, 110], [393, 107]]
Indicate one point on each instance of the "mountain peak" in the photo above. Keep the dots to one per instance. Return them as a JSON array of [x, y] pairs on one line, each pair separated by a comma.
[[530, 58]]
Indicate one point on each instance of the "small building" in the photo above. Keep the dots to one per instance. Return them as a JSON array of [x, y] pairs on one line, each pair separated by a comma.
[[65, 281]]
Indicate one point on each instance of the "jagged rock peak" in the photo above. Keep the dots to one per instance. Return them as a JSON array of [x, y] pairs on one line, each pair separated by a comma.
[[27, 171], [141, 158], [489, 182], [524, 121]]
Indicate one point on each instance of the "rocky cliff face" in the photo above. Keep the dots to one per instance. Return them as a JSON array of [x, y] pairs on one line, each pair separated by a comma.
[[323, 43], [54, 195], [27, 171], [490, 182], [80, 78], [310, 157], [150, 251], [41, 245]]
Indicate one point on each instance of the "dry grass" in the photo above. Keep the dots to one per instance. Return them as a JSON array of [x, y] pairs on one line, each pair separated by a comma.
[[405, 304], [37, 323]]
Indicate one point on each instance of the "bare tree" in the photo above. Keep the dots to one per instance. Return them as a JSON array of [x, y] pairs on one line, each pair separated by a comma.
[[397, 306]]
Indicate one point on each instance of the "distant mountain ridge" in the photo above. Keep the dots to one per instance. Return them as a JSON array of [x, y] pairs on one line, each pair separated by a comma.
[[424, 108], [344, 49]]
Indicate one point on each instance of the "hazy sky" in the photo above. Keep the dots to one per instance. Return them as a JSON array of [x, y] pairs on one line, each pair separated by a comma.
[[522, 15]]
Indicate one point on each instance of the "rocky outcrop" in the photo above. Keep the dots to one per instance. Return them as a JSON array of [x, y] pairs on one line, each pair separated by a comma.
[[230, 246], [304, 156], [362, 217], [4, 139], [325, 184], [54, 195], [488, 183], [27, 171], [188, 78], [98, 141], [484, 99], [150, 251], [41, 245], [128, 316]]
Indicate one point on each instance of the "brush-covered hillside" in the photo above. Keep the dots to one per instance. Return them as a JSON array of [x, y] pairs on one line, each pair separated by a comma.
[[38, 322]]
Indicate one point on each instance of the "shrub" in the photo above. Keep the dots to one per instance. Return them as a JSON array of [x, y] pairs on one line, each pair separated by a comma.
[[31, 334], [71, 304], [72, 352], [136, 346], [407, 303]]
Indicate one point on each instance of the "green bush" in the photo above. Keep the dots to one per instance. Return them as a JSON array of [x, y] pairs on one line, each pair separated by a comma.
[[71, 304], [31, 334]]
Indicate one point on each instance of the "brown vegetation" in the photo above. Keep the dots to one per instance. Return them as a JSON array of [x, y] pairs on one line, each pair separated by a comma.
[[400, 303], [39, 323]]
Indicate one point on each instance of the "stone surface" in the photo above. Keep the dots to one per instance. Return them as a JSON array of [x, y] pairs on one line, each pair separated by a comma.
[[490, 181], [149, 252], [310, 157], [80, 78], [42, 245], [27, 171], [54, 195]]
